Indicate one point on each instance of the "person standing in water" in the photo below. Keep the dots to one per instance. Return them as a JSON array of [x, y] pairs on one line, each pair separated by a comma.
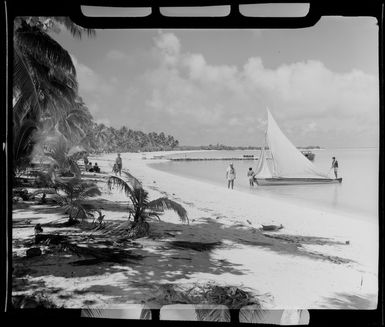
[[119, 165], [230, 175], [250, 175], [335, 166]]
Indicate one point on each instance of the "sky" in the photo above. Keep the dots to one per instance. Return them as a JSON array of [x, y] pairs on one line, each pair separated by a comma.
[[213, 86]]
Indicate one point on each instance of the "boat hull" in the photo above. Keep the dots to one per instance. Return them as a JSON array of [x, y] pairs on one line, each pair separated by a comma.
[[296, 181]]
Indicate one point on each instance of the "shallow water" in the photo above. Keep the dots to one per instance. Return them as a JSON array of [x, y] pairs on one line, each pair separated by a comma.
[[358, 192]]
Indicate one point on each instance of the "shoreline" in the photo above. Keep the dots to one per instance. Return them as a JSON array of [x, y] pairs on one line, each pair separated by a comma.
[[354, 213], [307, 264], [238, 206]]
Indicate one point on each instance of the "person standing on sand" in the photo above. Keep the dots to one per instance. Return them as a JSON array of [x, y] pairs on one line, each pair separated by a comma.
[[250, 175], [230, 175], [118, 163], [85, 158], [335, 166]]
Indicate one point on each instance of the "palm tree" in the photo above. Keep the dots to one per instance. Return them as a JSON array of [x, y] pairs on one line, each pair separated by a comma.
[[63, 155], [44, 78], [140, 207], [75, 192]]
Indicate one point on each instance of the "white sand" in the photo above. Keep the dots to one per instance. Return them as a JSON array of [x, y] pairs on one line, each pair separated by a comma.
[[287, 276], [294, 281]]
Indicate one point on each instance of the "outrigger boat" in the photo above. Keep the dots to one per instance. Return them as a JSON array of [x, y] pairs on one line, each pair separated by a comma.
[[288, 166]]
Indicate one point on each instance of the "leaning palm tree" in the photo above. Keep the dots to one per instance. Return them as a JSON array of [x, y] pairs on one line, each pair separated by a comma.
[[141, 208], [44, 76]]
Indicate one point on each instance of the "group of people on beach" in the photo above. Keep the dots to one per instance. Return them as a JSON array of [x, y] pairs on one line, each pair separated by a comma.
[[231, 174], [88, 166], [117, 168]]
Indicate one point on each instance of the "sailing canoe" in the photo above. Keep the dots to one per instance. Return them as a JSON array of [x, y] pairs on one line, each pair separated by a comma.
[[288, 165], [295, 181]]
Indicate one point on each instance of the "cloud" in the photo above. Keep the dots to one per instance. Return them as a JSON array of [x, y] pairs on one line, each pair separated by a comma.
[[89, 81], [115, 55], [308, 99]]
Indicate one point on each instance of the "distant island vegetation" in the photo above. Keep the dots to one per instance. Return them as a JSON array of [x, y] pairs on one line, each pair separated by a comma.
[[102, 138]]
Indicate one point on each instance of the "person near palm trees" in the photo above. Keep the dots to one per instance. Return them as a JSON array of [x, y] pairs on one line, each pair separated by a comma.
[[96, 168], [230, 176], [119, 165]]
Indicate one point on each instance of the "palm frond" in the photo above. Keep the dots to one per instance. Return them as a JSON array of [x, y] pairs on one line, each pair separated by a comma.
[[90, 191], [74, 29], [24, 87], [164, 203], [76, 152], [23, 141], [120, 184], [132, 179], [33, 41]]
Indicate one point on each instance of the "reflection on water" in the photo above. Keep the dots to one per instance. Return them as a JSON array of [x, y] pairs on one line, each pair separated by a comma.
[[358, 191], [335, 196]]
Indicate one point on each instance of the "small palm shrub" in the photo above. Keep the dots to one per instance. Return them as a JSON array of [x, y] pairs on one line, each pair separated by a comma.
[[70, 195], [140, 207]]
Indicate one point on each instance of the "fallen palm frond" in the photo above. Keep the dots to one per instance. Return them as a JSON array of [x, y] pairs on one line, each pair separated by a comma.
[[38, 301], [209, 293], [197, 246], [164, 203]]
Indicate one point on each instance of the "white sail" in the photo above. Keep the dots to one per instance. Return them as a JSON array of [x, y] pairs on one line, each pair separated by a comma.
[[288, 161], [263, 170]]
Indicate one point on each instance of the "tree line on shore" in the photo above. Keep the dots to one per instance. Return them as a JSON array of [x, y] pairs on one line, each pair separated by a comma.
[[101, 138], [49, 116]]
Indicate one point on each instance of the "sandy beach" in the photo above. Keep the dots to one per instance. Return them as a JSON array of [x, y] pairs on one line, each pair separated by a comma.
[[319, 259]]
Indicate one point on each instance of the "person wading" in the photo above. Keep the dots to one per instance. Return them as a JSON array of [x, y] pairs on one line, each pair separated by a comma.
[[230, 175]]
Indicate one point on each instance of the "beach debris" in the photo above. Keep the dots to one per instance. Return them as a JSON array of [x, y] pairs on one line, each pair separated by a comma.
[[196, 246], [38, 229], [21, 193], [208, 293], [347, 242], [33, 252], [271, 227], [100, 218], [248, 221], [48, 239], [31, 302], [16, 199]]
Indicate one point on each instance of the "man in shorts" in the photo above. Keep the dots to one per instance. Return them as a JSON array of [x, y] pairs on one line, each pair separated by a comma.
[[118, 163], [335, 166]]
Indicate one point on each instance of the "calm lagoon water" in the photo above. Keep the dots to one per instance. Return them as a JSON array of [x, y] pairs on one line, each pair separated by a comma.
[[358, 192]]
